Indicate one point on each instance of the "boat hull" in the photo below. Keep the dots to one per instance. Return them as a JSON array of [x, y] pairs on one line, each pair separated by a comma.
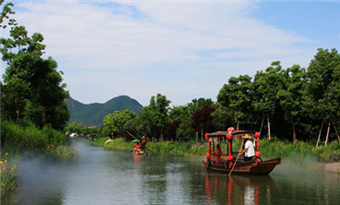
[[136, 153], [251, 167]]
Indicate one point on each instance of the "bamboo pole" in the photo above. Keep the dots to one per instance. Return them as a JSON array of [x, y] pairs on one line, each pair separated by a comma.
[[232, 169], [317, 143], [132, 135]]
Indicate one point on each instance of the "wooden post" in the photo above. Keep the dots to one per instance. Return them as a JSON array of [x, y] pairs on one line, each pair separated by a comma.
[[269, 135], [336, 130], [317, 143], [328, 130]]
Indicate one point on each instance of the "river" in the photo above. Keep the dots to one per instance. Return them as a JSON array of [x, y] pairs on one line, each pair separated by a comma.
[[105, 177]]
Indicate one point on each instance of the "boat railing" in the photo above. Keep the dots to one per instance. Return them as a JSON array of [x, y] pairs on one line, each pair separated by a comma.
[[224, 157]]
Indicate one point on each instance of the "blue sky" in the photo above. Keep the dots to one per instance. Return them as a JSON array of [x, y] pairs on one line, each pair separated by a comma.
[[181, 49]]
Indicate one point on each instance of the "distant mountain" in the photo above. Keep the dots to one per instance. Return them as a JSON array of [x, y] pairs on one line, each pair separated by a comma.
[[93, 114]]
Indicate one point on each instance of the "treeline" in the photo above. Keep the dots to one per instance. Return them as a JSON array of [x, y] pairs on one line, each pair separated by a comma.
[[291, 104]]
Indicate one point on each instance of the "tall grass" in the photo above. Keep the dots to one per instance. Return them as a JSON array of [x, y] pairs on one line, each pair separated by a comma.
[[29, 136]]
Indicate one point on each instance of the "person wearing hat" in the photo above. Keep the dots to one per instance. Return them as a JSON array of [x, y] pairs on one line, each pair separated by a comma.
[[143, 143], [248, 151]]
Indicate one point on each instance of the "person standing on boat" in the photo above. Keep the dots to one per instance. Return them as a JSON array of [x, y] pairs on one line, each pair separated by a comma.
[[248, 151], [143, 143]]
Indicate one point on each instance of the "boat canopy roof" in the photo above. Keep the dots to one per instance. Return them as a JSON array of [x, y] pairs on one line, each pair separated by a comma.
[[233, 133]]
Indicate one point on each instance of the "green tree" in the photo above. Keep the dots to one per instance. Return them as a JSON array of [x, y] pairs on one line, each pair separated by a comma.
[[322, 96], [180, 118], [236, 96], [266, 86], [156, 115], [114, 123], [290, 96], [184, 114], [32, 87], [222, 118]]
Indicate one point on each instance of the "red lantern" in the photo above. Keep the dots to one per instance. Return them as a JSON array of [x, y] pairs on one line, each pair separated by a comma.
[[207, 154], [257, 154], [230, 158], [229, 136], [257, 134], [231, 129]]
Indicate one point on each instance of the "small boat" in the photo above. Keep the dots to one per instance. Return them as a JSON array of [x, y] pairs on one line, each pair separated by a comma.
[[226, 162], [140, 153]]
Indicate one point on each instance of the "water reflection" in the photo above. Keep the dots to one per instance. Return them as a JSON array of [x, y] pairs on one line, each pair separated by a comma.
[[238, 189], [107, 177]]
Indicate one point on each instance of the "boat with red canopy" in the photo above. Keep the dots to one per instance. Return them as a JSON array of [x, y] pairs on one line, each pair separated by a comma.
[[230, 161]]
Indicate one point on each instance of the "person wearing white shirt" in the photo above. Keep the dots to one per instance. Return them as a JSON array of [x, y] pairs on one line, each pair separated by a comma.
[[248, 151]]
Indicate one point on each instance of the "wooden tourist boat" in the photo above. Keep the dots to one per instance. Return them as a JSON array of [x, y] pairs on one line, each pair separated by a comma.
[[226, 161]]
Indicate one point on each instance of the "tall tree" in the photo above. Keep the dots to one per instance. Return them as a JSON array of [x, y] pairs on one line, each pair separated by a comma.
[[156, 115], [290, 95], [222, 118], [322, 97], [185, 114], [114, 123], [235, 96], [266, 86], [32, 86]]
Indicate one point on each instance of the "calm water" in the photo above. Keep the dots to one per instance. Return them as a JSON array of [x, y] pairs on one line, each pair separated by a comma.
[[117, 177]]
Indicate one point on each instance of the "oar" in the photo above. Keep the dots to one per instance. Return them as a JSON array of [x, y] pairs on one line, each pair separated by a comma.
[[232, 169]]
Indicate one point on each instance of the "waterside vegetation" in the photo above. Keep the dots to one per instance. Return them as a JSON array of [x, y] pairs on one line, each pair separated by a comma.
[[292, 152], [20, 138], [33, 111]]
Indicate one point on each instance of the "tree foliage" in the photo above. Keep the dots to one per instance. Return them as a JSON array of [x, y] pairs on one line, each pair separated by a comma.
[[114, 123], [32, 88]]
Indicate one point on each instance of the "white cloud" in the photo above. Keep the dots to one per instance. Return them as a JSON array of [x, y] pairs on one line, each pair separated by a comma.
[[143, 48]]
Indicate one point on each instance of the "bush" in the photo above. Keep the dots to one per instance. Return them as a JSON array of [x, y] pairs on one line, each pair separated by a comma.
[[27, 135]]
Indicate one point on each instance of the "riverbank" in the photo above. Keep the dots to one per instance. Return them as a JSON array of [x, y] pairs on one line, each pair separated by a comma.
[[300, 154], [17, 139]]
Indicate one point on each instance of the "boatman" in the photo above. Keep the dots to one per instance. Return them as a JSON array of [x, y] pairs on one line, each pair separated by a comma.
[[248, 151], [143, 143]]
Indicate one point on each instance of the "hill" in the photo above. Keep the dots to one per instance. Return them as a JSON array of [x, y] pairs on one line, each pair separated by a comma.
[[93, 114]]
